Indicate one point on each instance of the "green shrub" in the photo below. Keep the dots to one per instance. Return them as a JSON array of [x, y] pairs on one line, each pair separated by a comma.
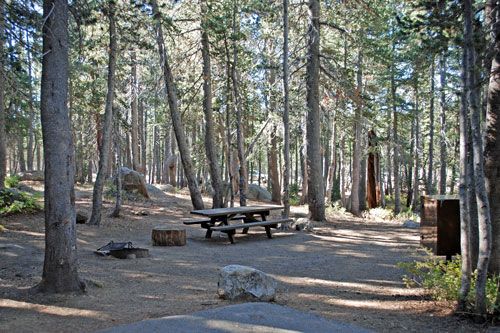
[[441, 280], [12, 181], [25, 204]]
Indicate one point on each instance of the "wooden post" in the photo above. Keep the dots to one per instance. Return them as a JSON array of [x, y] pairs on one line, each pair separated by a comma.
[[168, 236]]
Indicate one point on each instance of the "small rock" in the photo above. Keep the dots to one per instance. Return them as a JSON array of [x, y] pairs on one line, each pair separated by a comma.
[[411, 225], [302, 224], [81, 217], [238, 282]]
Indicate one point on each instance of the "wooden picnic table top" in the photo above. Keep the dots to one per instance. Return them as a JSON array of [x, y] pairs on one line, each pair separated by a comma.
[[234, 210]]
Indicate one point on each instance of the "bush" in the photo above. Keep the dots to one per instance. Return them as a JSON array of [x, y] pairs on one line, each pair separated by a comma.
[[441, 280], [25, 203], [11, 182]]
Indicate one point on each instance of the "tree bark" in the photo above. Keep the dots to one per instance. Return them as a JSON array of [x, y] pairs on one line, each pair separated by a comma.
[[95, 218], [492, 142], [331, 169], [3, 138], [210, 145], [397, 189], [286, 111], [174, 113], [430, 185], [118, 203], [135, 118], [313, 131], [442, 134], [416, 158], [274, 179], [483, 207], [371, 178], [60, 265]]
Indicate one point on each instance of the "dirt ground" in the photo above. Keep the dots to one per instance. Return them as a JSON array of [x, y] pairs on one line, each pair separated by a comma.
[[345, 270]]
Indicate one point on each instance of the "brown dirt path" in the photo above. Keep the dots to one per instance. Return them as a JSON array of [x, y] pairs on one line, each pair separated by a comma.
[[346, 270]]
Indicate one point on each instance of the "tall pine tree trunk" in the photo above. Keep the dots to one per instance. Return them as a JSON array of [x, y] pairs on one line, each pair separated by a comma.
[[174, 113], [442, 134], [60, 265], [397, 189], [483, 208], [313, 131], [95, 218], [210, 145], [134, 111], [286, 111], [3, 138], [492, 141], [430, 185], [242, 184]]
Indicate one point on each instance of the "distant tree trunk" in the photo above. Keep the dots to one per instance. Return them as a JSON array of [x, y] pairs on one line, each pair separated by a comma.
[[196, 198], [313, 131], [442, 134], [371, 178], [492, 141], [3, 138], [397, 190], [60, 265], [430, 185], [331, 169], [239, 119], [274, 179], [286, 110], [20, 152], [29, 147], [416, 161], [142, 135], [210, 145], [134, 111], [343, 185], [304, 172], [95, 218], [356, 155], [118, 203]]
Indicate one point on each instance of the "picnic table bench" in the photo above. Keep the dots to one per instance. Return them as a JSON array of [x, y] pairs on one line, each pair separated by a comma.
[[219, 219]]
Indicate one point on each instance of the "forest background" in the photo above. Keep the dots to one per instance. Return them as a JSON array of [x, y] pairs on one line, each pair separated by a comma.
[[360, 103]]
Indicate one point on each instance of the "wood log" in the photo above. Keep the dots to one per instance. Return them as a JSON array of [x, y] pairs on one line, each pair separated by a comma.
[[168, 236]]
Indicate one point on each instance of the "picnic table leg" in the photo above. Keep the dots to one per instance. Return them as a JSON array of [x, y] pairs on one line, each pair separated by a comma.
[[268, 231], [248, 218], [230, 234]]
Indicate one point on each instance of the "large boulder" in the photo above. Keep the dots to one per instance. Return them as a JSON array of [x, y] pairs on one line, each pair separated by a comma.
[[133, 182], [167, 188], [155, 192], [255, 192], [34, 175], [238, 282]]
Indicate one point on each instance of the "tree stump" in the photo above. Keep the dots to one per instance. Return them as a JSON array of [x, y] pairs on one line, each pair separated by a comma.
[[168, 236]]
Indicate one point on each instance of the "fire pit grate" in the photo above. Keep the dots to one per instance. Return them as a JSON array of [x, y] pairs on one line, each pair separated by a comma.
[[123, 250]]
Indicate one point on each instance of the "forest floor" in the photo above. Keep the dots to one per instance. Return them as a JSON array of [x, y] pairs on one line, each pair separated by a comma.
[[345, 270]]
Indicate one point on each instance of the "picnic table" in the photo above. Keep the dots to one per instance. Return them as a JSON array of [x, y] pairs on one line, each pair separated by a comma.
[[220, 219]]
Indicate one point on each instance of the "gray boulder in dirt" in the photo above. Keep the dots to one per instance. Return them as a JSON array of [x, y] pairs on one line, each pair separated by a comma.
[[155, 192], [132, 181], [167, 188], [238, 282], [255, 192], [302, 224], [81, 217], [411, 225], [36, 175]]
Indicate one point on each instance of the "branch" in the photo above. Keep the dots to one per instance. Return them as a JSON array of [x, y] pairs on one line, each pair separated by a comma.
[[333, 26]]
